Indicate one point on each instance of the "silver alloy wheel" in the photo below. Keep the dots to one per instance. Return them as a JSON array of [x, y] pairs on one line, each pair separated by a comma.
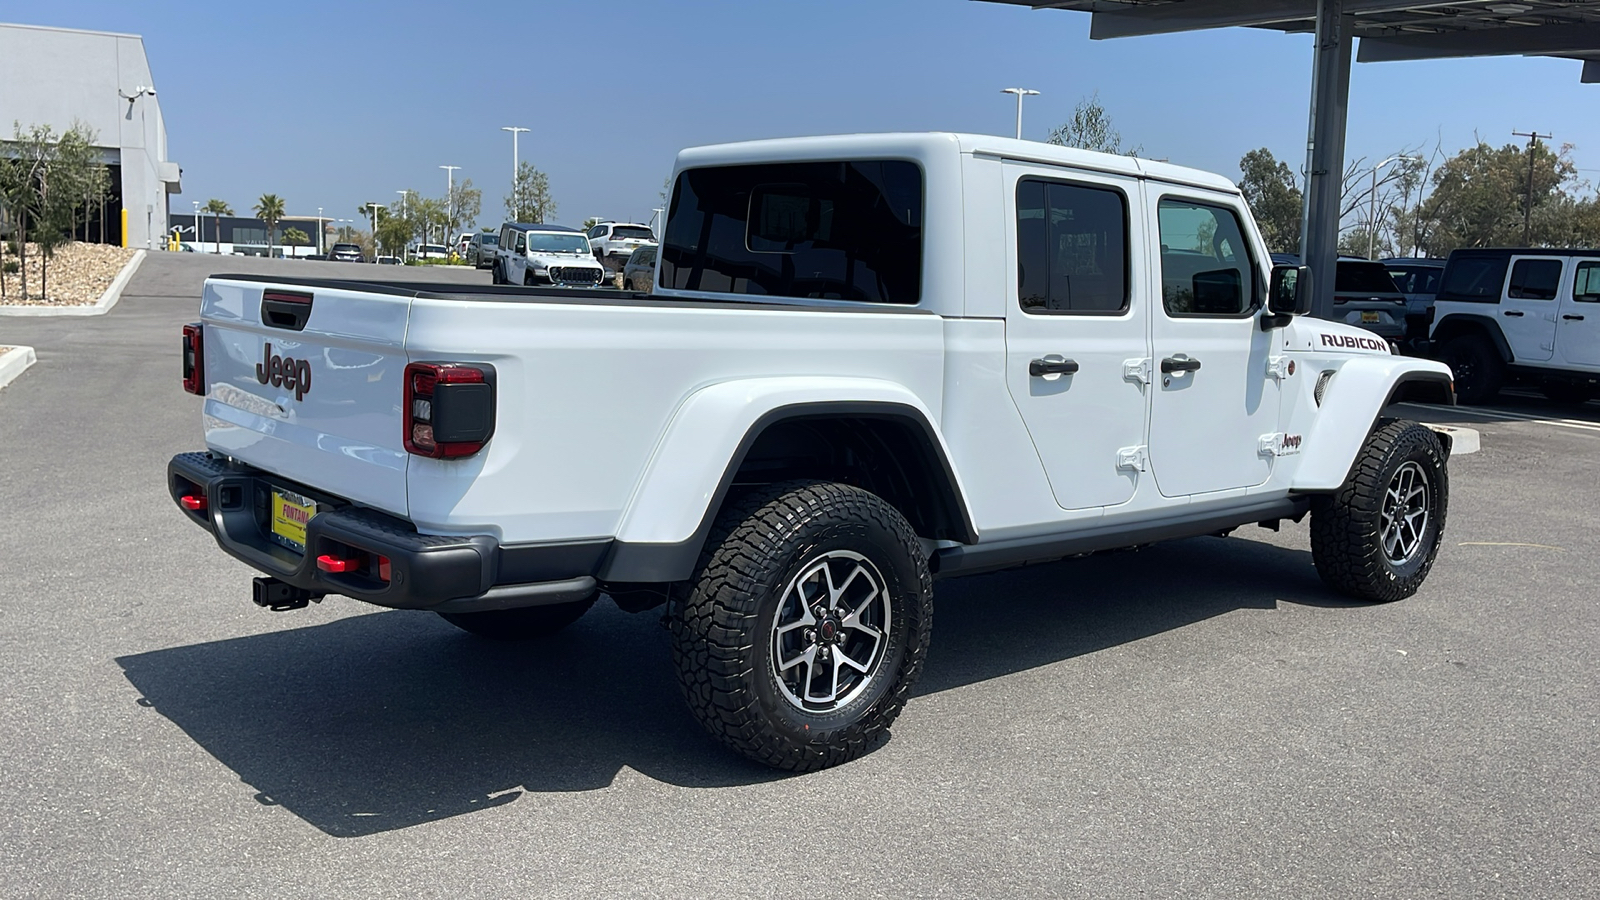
[[830, 631], [1404, 517]]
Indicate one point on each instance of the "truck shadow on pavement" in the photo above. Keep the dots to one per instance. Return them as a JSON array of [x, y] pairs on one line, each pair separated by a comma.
[[378, 722]]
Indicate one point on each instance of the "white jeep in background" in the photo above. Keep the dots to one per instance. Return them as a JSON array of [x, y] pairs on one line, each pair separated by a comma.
[[542, 254], [871, 362]]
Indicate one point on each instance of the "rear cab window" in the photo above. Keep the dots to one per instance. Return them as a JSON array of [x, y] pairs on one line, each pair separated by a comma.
[[1474, 278], [631, 233], [847, 230], [1352, 277]]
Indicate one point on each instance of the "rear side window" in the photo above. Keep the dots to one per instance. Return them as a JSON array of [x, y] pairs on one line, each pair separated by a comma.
[[1205, 265], [828, 230], [1362, 278], [1586, 286], [1072, 248], [1474, 279], [1534, 279]]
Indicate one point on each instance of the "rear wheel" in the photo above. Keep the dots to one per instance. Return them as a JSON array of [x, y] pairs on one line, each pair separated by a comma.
[[806, 624], [1476, 366], [494, 273], [522, 624], [1376, 538]]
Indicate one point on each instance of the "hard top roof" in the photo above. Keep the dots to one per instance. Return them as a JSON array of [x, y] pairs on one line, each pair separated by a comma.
[[1523, 251], [540, 226]]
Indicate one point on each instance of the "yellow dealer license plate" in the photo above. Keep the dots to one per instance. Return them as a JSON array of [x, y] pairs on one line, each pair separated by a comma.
[[1369, 318], [290, 513]]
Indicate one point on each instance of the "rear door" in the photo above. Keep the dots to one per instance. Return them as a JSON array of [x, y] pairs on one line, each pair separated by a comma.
[[1078, 307], [1578, 331], [1213, 399], [306, 384], [1528, 307]]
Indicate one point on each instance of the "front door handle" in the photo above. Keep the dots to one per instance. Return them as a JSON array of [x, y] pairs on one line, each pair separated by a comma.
[[1052, 365], [1175, 364], [1572, 318], [1511, 312]]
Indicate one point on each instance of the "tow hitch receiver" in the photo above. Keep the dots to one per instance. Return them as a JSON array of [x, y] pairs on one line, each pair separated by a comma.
[[280, 596]]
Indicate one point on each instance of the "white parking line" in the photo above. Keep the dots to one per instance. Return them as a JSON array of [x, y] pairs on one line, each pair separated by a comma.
[[1513, 417]]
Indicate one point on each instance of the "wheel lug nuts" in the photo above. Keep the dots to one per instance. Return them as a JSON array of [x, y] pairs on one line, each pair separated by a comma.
[[811, 635]]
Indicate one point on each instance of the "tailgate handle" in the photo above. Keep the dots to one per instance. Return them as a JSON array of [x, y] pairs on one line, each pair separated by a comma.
[[288, 310]]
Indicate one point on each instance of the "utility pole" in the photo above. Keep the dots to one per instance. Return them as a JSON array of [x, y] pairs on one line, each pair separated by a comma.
[[516, 201], [1020, 92], [1527, 204]]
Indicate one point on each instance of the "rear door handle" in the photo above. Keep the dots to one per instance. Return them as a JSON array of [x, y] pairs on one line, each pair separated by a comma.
[[1174, 364], [1571, 318], [1511, 312], [1052, 365]]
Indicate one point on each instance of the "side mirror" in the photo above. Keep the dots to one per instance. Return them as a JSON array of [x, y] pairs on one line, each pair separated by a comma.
[[1289, 293]]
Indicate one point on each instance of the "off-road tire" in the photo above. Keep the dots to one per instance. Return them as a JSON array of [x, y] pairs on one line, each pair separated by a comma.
[[1347, 541], [1567, 392], [525, 623], [1477, 367], [494, 273], [723, 621]]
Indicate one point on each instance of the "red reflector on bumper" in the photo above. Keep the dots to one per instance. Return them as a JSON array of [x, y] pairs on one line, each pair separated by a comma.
[[193, 503], [327, 562], [383, 568]]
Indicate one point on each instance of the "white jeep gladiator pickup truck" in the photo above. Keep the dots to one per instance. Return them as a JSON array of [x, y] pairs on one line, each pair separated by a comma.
[[870, 361]]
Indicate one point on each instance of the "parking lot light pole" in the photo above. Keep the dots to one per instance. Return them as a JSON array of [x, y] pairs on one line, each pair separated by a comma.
[[1372, 215], [322, 231], [375, 207], [515, 200], [196, 226], [449, 199], [1020, 92]]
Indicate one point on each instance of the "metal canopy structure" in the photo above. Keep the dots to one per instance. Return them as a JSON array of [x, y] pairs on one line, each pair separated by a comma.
[[1389, 31]]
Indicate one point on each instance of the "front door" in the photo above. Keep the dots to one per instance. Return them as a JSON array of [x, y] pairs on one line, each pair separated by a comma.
[[1578, 332], [1077, 314], [517, 259], [1214, 397], [1528, 309]]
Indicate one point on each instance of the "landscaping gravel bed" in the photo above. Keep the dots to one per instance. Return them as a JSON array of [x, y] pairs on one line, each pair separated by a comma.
[[79, 274]]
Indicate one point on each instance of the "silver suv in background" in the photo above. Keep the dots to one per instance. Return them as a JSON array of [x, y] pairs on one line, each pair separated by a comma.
[[481, 249], [613, 242], [1364, 296]]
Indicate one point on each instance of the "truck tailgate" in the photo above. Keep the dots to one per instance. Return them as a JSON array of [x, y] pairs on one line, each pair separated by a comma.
[[319, 403]]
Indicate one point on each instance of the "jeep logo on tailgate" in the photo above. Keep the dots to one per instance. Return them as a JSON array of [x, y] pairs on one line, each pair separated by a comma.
[[284, 371]]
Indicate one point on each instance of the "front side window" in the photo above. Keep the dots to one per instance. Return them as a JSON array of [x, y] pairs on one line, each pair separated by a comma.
[[848, 230], [1534, 279], [522, 243], [1586, 286], [1205, 265], [1072, 252]]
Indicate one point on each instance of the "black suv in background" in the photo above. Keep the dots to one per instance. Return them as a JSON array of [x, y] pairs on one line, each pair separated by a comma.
[[1364, 296], [346, 253]]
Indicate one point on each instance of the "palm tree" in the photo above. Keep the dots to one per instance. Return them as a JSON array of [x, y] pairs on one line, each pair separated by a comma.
[[269, 209], [218, 209]]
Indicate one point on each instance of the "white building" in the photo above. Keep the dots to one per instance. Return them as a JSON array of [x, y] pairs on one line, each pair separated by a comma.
[[55, 76]]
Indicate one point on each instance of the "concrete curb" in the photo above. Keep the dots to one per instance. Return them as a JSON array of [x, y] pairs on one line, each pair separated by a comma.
[[1462, 440], [14, 362], [98, 308]]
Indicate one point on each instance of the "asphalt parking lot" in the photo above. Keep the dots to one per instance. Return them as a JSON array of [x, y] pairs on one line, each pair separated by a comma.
[[1200, 718]]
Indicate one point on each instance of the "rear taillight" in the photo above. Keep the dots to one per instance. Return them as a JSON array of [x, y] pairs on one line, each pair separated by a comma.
[[449, 409], [194, 362]]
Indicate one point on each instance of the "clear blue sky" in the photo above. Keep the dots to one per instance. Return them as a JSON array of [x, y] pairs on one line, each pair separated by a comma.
[[335, 104]]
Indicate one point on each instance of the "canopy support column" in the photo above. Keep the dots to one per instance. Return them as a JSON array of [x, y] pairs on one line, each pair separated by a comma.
[[1330, 101]]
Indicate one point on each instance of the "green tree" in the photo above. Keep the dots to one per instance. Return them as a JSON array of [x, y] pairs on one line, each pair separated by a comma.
[[217, 209], [1090, 128], [1269, 186], [1479, 195], [294, 237], [24, 161], [530, 200], [269, 209], [466, 203], [589, 223]]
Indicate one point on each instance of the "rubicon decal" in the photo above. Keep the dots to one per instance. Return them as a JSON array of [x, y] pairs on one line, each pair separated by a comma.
[[1353, 342], [284, 371]]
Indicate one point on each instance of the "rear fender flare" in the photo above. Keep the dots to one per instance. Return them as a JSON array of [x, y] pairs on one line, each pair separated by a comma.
[[1457, 324], [667, 519], [1354, 400]]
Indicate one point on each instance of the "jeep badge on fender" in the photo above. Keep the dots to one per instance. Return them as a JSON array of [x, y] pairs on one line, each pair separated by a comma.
[[284, 371]]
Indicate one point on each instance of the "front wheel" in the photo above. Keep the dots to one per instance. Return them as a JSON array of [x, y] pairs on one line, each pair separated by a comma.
[[1376, 538], [522, 624], [806, 624]]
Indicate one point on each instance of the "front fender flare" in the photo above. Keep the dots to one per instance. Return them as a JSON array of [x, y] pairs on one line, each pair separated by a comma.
[[1354, 399], [672, 508]]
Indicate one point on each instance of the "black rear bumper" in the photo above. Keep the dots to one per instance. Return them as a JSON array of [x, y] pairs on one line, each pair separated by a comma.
[[448, 573]]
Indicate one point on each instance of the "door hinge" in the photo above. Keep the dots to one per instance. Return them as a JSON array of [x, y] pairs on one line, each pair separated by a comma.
[[1279, 367], [1137, 370], [1132, 458]]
